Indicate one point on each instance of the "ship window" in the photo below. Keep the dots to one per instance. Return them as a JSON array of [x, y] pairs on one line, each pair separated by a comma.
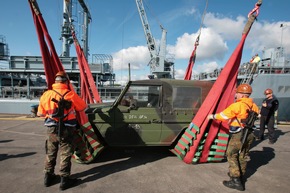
[[287, 88], [186, 97], [281, 89]]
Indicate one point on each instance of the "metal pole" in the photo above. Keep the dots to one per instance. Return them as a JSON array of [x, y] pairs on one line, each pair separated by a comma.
[[66, 33], [281, 26], [85, 35], [28, 86], [129, 69]]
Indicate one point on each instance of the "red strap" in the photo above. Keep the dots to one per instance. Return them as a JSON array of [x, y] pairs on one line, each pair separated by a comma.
[[191, 60]]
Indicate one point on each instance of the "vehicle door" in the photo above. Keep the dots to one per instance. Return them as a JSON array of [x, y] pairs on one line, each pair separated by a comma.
[[178, 110], [140, 119]]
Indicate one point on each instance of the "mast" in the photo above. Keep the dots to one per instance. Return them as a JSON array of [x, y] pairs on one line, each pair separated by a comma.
[[65, 32], [67, 39], [87, 18]]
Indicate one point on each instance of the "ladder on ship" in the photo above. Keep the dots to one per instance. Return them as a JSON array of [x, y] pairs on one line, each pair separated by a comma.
[[249, 74]]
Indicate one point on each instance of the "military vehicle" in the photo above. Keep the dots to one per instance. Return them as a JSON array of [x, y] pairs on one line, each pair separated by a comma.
[[148, 112]]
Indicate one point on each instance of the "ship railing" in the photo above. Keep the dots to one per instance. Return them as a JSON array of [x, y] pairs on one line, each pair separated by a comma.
[[273, 70], [246, 71], [207, 75], [18, 92], [34, 92]]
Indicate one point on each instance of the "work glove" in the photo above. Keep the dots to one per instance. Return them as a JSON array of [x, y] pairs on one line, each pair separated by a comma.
[[210, 116]]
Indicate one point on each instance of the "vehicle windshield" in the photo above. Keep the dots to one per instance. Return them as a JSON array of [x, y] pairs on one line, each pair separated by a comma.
[[146, 96]]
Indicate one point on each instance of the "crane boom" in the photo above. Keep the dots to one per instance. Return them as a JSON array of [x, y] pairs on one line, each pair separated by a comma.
[[158, 66], [147, 31]]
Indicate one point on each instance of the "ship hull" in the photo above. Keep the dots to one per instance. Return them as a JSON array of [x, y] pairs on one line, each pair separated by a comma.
[[280, 84]]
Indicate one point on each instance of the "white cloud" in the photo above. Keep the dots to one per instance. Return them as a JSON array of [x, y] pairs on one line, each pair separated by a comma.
[[123, 79], [211, 45], [217, 34], [179, 73], [227, 28], [269, 35], [198, 68], [191, 11], [138, 57], [206, 67]]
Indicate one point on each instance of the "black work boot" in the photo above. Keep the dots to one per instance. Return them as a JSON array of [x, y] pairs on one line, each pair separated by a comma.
[[66, 182], [48, 179], [260, 138], [234, 183]]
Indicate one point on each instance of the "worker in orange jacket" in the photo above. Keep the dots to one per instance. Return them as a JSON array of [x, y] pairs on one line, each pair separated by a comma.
[[234, 115], [59, 139]]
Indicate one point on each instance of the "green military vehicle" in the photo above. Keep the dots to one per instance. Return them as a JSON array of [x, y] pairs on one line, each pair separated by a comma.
[[148, 112]]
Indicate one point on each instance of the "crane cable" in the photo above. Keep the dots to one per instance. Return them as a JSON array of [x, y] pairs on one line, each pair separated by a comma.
[[201, 23], [152, 13], [188, 72]]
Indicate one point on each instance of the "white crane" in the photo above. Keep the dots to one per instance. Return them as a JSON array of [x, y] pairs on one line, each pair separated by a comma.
[[159, 67]]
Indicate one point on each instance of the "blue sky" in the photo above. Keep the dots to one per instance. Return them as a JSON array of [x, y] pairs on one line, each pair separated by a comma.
[[116, 30]]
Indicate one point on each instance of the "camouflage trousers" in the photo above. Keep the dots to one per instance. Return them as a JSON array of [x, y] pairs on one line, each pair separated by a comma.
[[64, 145], [238, 162]]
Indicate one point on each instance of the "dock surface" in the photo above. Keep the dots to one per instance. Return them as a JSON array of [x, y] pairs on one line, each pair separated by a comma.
[[134, 170]]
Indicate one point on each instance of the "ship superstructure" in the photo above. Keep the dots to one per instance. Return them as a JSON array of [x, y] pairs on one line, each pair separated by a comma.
[[273, 71], [23, 76]]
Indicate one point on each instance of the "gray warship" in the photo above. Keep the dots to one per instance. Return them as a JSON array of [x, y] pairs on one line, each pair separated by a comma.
[[273, 71]]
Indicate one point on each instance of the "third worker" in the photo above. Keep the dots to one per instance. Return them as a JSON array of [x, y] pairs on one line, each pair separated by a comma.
[[269, 106]]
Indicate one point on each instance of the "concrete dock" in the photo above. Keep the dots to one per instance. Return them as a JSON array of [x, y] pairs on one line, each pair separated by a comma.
[[134, 170]]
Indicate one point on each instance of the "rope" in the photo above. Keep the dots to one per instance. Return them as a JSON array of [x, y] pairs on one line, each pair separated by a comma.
[[201, 24], [152, 13], [202, 19]]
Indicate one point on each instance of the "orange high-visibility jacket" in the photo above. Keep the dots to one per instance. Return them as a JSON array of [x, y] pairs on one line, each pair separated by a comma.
[[237, 110], [47, 107]]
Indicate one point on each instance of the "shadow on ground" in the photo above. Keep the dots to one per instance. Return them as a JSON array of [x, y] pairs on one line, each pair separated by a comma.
[[121, 159]]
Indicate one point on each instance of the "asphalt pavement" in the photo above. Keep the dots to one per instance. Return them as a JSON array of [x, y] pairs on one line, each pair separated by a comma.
[[134, 170]]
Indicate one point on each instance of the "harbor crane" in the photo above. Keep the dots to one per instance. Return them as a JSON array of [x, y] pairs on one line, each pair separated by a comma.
[[160, 67]]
